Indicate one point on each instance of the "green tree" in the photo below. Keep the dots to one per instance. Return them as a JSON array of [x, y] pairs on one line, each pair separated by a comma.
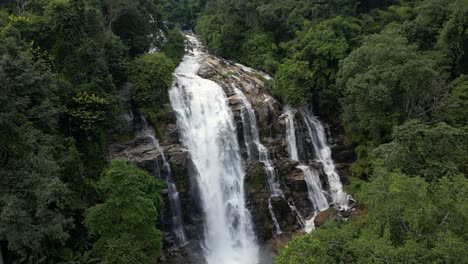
[[33, 198], [320, 47], [126, 220], [152, 76], [453, 39], [384, 83], [428, 151], [453, 107]]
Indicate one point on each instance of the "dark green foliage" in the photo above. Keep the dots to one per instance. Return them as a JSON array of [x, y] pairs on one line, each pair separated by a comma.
[[125, 221], [61, 63], [152, 76], [453, 107], [175, 47], [32, 196], [320, 47], [141, 26], [259, 50], [408, 221], [384, 83], [429, 151]]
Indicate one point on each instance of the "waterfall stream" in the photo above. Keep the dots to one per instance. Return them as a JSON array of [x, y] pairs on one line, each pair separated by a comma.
[[322, 155], [256, 149], [207, 130], [164, 172]]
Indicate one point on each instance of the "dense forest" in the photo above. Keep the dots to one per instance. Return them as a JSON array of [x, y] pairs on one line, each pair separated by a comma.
[[393, 74], [61, 65]]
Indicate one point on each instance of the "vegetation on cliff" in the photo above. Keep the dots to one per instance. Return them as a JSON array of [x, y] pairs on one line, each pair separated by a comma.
[[393, 75], [62, 63]]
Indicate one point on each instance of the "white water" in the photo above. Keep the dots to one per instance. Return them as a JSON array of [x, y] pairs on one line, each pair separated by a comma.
[[314, 185], [322, 154], [254, 146], [291, 133], [315, 190], [207, 130], [164, 172]]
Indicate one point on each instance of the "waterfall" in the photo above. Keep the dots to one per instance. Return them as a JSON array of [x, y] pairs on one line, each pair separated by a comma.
[[164, 172], [291, 134], [207, 130], [322, 154], [314, 186], [254, 146]]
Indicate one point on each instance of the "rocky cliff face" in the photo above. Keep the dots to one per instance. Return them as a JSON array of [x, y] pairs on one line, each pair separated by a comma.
[[271, 126]]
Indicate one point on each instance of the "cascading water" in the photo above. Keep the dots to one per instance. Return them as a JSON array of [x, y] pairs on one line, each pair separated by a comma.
[[255, 147], [207, 130], [322, 154], [164, 172], [314, 185]]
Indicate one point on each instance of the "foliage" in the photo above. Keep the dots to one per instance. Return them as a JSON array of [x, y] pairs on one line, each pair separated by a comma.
[[61, 65], [175, 46], [33, 196], [125, 221], [320, 46], [152, 76], [453, 107], [429, 151], [87, 110], [408, 221], [384, 82]]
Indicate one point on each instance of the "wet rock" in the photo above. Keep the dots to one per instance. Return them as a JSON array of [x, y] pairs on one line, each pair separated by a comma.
[[328, 214], [286, 165], [207, 70], [285, 216], [344, 156], [295, 181], [278, 242], [258, 195], [191, 253], [171, 134], [140, 152], [235, 101], [316, 165], [256, 177]]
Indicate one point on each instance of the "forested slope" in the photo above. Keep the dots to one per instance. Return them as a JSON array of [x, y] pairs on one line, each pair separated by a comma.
[[393, 75], [62, 63]]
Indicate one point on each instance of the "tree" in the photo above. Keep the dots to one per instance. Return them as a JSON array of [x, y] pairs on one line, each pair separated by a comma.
[[384, 83], [118, 8], [429, 151], [33, 198], [125, 221], [407, 220], [453, 39], [320, 46], [453, 107], [152, 76]]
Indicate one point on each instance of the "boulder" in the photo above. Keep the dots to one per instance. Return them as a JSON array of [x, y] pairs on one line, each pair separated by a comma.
[[207, 69], [328, 214], [278, 242], [171, 134], [295, 181], [286, 165]]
